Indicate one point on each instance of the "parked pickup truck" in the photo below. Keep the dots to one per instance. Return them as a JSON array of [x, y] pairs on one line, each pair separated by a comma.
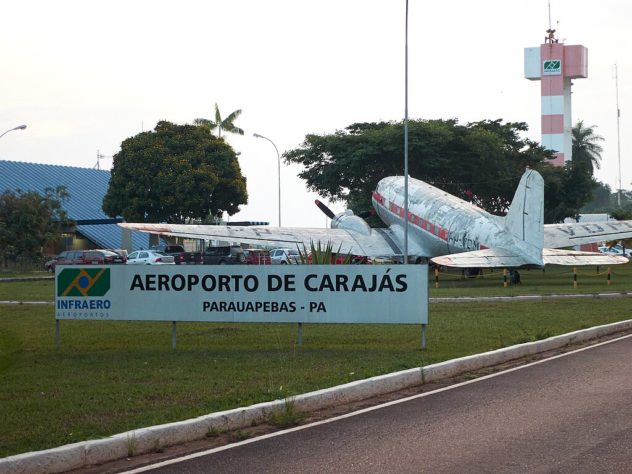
[[224, 255], [180, 256]]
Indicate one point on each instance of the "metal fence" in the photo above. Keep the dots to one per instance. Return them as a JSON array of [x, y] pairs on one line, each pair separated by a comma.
[[22, 264]]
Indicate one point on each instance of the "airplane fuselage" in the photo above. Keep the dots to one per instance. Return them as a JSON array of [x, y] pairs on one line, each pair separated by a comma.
[[439, 223]]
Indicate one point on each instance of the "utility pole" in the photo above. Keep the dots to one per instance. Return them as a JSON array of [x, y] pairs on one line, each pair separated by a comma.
[[616, 86]]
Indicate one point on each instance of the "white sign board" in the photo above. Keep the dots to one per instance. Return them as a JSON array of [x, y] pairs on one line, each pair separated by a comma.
[[244, 293]]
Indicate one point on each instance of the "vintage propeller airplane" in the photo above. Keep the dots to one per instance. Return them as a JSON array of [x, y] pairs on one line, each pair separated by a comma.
[[442, 228]]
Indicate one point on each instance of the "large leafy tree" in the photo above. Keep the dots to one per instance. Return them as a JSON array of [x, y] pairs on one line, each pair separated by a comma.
[[175, 174], [481, 161], [227, 124], [30, 221]]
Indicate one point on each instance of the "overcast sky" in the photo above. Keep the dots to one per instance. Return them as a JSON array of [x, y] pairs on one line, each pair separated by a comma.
[[84, 75]]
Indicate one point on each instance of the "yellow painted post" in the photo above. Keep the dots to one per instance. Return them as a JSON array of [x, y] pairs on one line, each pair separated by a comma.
[[504, 277], [574, 277], [609, 276], [436, 278]]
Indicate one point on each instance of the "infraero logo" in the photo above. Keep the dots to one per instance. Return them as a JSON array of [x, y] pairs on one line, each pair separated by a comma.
[[552, 67], [83, 282]]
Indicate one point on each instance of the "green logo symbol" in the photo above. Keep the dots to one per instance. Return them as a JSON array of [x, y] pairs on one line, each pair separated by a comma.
[[552, 66], [83, 282]]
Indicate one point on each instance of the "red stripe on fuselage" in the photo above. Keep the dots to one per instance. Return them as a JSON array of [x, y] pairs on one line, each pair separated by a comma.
[[428, 226]]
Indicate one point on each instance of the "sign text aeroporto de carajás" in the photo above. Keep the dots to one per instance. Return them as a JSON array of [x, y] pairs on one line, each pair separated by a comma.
[[242, 293]]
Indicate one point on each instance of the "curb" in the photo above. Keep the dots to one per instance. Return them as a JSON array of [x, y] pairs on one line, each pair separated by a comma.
[[27, 302], [144, 440], [557, 296], [462, 299], [26, 278]]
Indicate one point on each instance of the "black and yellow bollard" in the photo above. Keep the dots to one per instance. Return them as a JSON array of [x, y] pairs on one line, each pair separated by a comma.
[[504, 278], [609, 276], [574, 277], [436, 278]]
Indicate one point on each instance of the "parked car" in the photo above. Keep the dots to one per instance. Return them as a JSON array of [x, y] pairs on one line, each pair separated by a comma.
[[284, 256], [616, 250], [339, 259], [150, 257], [121, 252], [84, 257], [224, 255], [181, 256], [257, 256], [382, 260]]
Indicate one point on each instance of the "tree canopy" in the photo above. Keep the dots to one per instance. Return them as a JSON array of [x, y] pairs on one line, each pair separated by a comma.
[[586, 148], [175, 174], [480, 162], [30, 221]]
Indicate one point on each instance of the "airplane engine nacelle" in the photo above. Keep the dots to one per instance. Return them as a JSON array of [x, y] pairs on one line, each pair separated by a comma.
[[349, 221]]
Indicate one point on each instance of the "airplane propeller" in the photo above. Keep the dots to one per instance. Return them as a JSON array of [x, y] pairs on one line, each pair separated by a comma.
[[325, 209], [329, 213]]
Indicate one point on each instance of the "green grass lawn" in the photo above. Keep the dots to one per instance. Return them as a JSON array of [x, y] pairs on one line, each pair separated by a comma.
[[554, 280], [113, 376]]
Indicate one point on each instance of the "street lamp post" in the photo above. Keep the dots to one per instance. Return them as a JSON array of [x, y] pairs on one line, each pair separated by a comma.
[[19, 127], [256, 135]]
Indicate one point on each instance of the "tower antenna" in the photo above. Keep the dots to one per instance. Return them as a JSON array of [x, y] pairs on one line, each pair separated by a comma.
[[549, 14], [100, 156], [550, 33]]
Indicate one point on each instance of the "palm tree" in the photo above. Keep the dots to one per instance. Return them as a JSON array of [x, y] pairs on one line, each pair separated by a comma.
[[227, 124], [586, 147]]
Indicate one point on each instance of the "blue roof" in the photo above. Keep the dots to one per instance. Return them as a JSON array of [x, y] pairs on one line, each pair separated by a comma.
[[86, 188]]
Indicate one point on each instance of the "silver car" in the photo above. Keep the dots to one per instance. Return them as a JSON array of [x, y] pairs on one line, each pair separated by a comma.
[[284, 256], [150, 257]]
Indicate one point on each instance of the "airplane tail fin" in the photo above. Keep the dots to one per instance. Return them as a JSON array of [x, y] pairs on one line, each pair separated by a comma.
[[525, 219]]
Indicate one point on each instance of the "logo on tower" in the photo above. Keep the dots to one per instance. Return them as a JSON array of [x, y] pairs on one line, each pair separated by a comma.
[[552, 67]]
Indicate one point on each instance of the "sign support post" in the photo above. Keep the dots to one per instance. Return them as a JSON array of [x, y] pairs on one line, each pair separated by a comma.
[[173, 335], [423, 337], [300, 336], [57, 335]]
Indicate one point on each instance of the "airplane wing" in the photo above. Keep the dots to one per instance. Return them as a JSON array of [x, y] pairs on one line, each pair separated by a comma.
[[377, 242], [571, 257], [501, 258], [567, 235], [488, 258]]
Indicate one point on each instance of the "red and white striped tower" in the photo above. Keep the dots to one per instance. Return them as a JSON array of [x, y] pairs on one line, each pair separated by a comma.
[[554, 64]]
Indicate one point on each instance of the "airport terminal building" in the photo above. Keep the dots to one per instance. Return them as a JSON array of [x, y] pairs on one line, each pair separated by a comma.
[[91, 227]]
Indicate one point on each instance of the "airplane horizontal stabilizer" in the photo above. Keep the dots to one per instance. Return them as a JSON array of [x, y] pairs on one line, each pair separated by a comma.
[[488, 258], [567, 235], [572, 257], [501, 258]]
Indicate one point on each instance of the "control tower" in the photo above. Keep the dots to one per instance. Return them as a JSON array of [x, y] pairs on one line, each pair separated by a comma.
[[554, 64]]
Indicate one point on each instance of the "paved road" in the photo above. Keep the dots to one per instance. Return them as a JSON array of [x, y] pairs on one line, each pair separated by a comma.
[[568, 414]]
